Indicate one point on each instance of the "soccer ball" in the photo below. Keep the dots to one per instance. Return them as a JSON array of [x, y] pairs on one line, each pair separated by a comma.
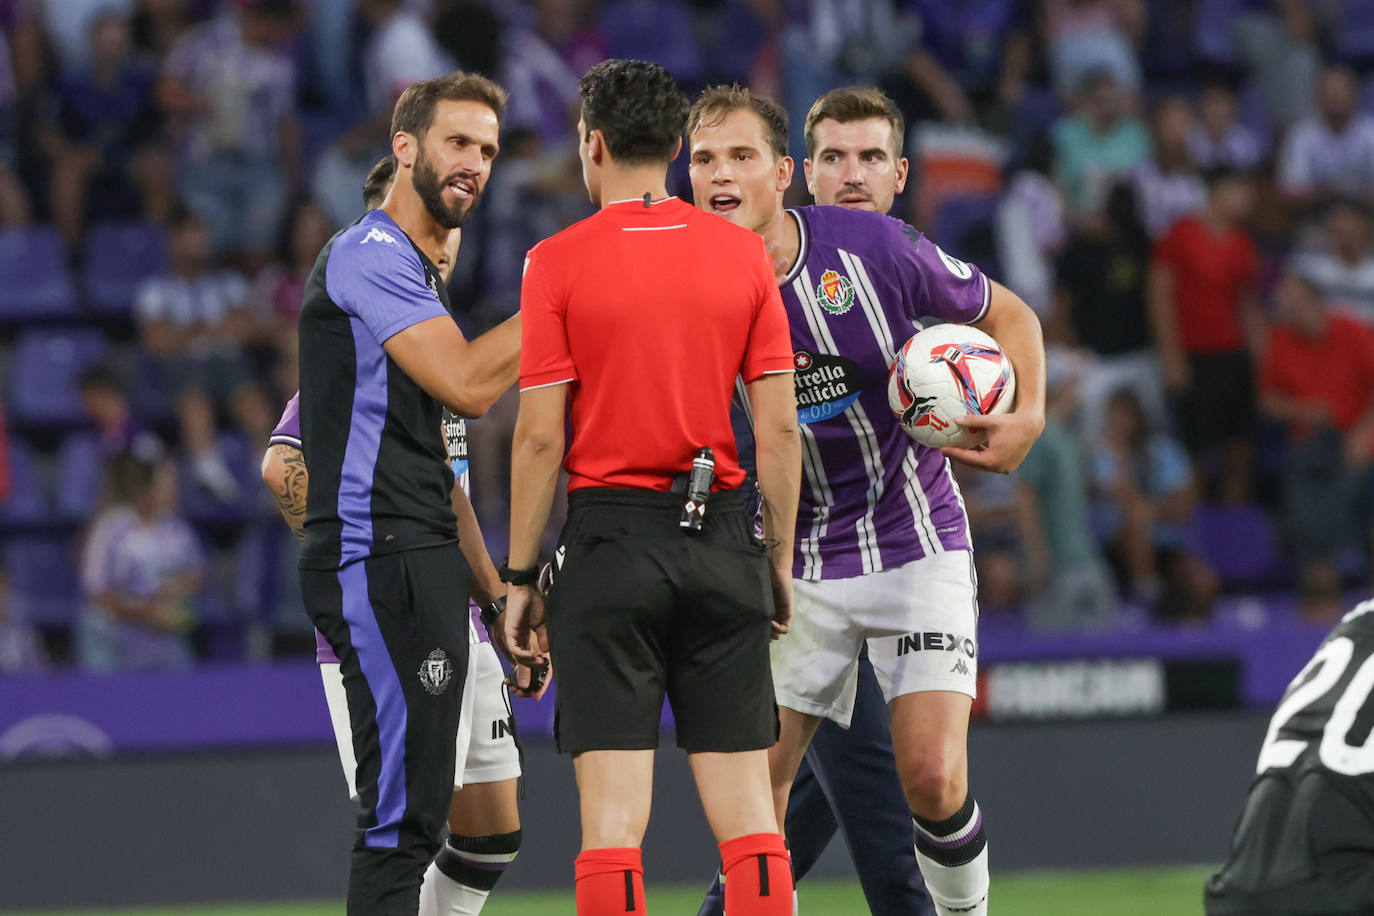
[[947, 371]]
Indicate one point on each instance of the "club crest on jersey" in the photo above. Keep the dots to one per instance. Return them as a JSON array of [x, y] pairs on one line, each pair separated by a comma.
[[835, 293], [436, 672]]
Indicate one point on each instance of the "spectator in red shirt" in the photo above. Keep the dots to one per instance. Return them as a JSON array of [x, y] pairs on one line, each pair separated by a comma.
[[1317, 380], [1207, 324]]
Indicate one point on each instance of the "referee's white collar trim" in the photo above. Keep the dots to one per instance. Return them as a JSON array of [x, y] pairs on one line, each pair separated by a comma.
[[640, 200]]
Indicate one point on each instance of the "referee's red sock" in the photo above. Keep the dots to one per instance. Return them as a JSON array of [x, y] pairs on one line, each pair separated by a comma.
[[758, 875], [610, 881]]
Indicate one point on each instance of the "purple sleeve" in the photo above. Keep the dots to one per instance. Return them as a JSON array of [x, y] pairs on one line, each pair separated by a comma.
[[940, 285], [288, 431], [375, 275]]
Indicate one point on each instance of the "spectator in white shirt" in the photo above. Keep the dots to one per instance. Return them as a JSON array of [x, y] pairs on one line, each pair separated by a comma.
[[193, 323], [231, 90], [1343, 267], [1168, 184], [1218, 138], [1331, 152]]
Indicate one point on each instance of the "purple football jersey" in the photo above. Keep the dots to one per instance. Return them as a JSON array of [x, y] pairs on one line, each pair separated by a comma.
[[872, 498], [288, 432]]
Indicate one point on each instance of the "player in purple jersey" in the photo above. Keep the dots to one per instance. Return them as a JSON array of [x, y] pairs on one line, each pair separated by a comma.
[[483, 816], [883, 555], [848, 780]]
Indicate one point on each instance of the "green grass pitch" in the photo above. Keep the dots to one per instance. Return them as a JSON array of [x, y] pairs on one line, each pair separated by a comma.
[[1133, 892]]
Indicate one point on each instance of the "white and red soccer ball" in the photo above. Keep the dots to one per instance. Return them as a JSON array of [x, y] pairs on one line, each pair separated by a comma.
[[947, 371]]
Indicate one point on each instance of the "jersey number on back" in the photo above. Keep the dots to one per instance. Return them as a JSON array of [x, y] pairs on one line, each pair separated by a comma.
[[1337, 755]]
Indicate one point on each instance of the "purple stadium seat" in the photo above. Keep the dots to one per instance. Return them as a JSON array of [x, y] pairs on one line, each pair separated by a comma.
[[1239, 542], [34, 280], [44, 579], [119, 256], [44, 373], [1214, 29], [26, 504], [80, 473], [202, 508]]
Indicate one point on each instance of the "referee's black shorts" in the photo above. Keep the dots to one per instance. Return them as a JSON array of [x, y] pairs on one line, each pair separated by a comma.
[[640, 607], [399, 625]]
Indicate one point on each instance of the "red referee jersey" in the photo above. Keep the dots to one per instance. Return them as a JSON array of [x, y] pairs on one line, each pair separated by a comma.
[[650, 313]]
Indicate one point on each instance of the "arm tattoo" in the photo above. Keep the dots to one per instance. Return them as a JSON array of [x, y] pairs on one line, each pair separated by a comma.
[[291, 494]]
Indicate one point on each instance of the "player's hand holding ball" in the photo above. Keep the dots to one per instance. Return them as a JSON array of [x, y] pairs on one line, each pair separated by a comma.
[[952, 388]]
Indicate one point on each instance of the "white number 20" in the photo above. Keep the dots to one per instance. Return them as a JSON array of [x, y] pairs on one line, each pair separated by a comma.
[[1337, 755]]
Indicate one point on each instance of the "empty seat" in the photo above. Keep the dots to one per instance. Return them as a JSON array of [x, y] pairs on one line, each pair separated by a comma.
[[34, 280], [120, 256], [26, 504], [1240, 543], [80, 474], [43, 578], [44, 373]]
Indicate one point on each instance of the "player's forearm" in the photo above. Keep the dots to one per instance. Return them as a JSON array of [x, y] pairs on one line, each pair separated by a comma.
[[486, 584], [778, 461], [284, 473], [779, 472], [536, 454], [493, 363], [1016, 328]]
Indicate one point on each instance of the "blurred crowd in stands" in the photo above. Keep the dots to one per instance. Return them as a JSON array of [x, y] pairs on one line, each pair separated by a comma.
[[1182, 189]]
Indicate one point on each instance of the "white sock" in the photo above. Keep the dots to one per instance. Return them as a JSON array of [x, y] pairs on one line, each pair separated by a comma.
[[959, 890], [440, 895]]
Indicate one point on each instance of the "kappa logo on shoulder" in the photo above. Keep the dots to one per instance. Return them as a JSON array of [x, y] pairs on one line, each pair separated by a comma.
[[378, 235]]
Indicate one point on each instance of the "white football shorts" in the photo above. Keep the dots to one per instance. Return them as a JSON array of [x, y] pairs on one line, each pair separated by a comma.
[[486, 744], [920, 622]]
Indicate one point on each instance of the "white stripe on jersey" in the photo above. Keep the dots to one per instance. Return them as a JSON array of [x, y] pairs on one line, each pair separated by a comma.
[[863, 430], [920, 506], [820, 515], [868, 299], [959, 498]]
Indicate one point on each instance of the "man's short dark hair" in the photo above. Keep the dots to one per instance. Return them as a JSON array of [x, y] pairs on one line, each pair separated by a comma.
[[716, 102], [638, 107], [378, 182], [855, 103], [414, 111]]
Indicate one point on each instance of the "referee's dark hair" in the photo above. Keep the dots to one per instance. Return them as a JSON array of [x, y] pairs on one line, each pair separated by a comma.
[[414, 111], [379, 181], [716, 102], [637, 106]]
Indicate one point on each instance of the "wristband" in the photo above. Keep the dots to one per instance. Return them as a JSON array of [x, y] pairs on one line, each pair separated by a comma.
[[518, 577], [492, 611]]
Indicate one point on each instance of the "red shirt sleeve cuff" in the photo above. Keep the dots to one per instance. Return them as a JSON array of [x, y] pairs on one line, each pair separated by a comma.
[[548, 377], [758, 369]]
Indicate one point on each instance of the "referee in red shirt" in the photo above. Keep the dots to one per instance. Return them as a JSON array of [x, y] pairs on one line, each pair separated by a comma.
[[639, 320]]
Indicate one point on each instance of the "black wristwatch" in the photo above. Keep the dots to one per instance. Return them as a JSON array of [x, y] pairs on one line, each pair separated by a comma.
[[492, 611], [519, 577]]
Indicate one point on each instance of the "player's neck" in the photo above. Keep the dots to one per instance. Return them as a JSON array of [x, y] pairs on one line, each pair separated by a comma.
[[782, 238], [620, 183], [409, 212]]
